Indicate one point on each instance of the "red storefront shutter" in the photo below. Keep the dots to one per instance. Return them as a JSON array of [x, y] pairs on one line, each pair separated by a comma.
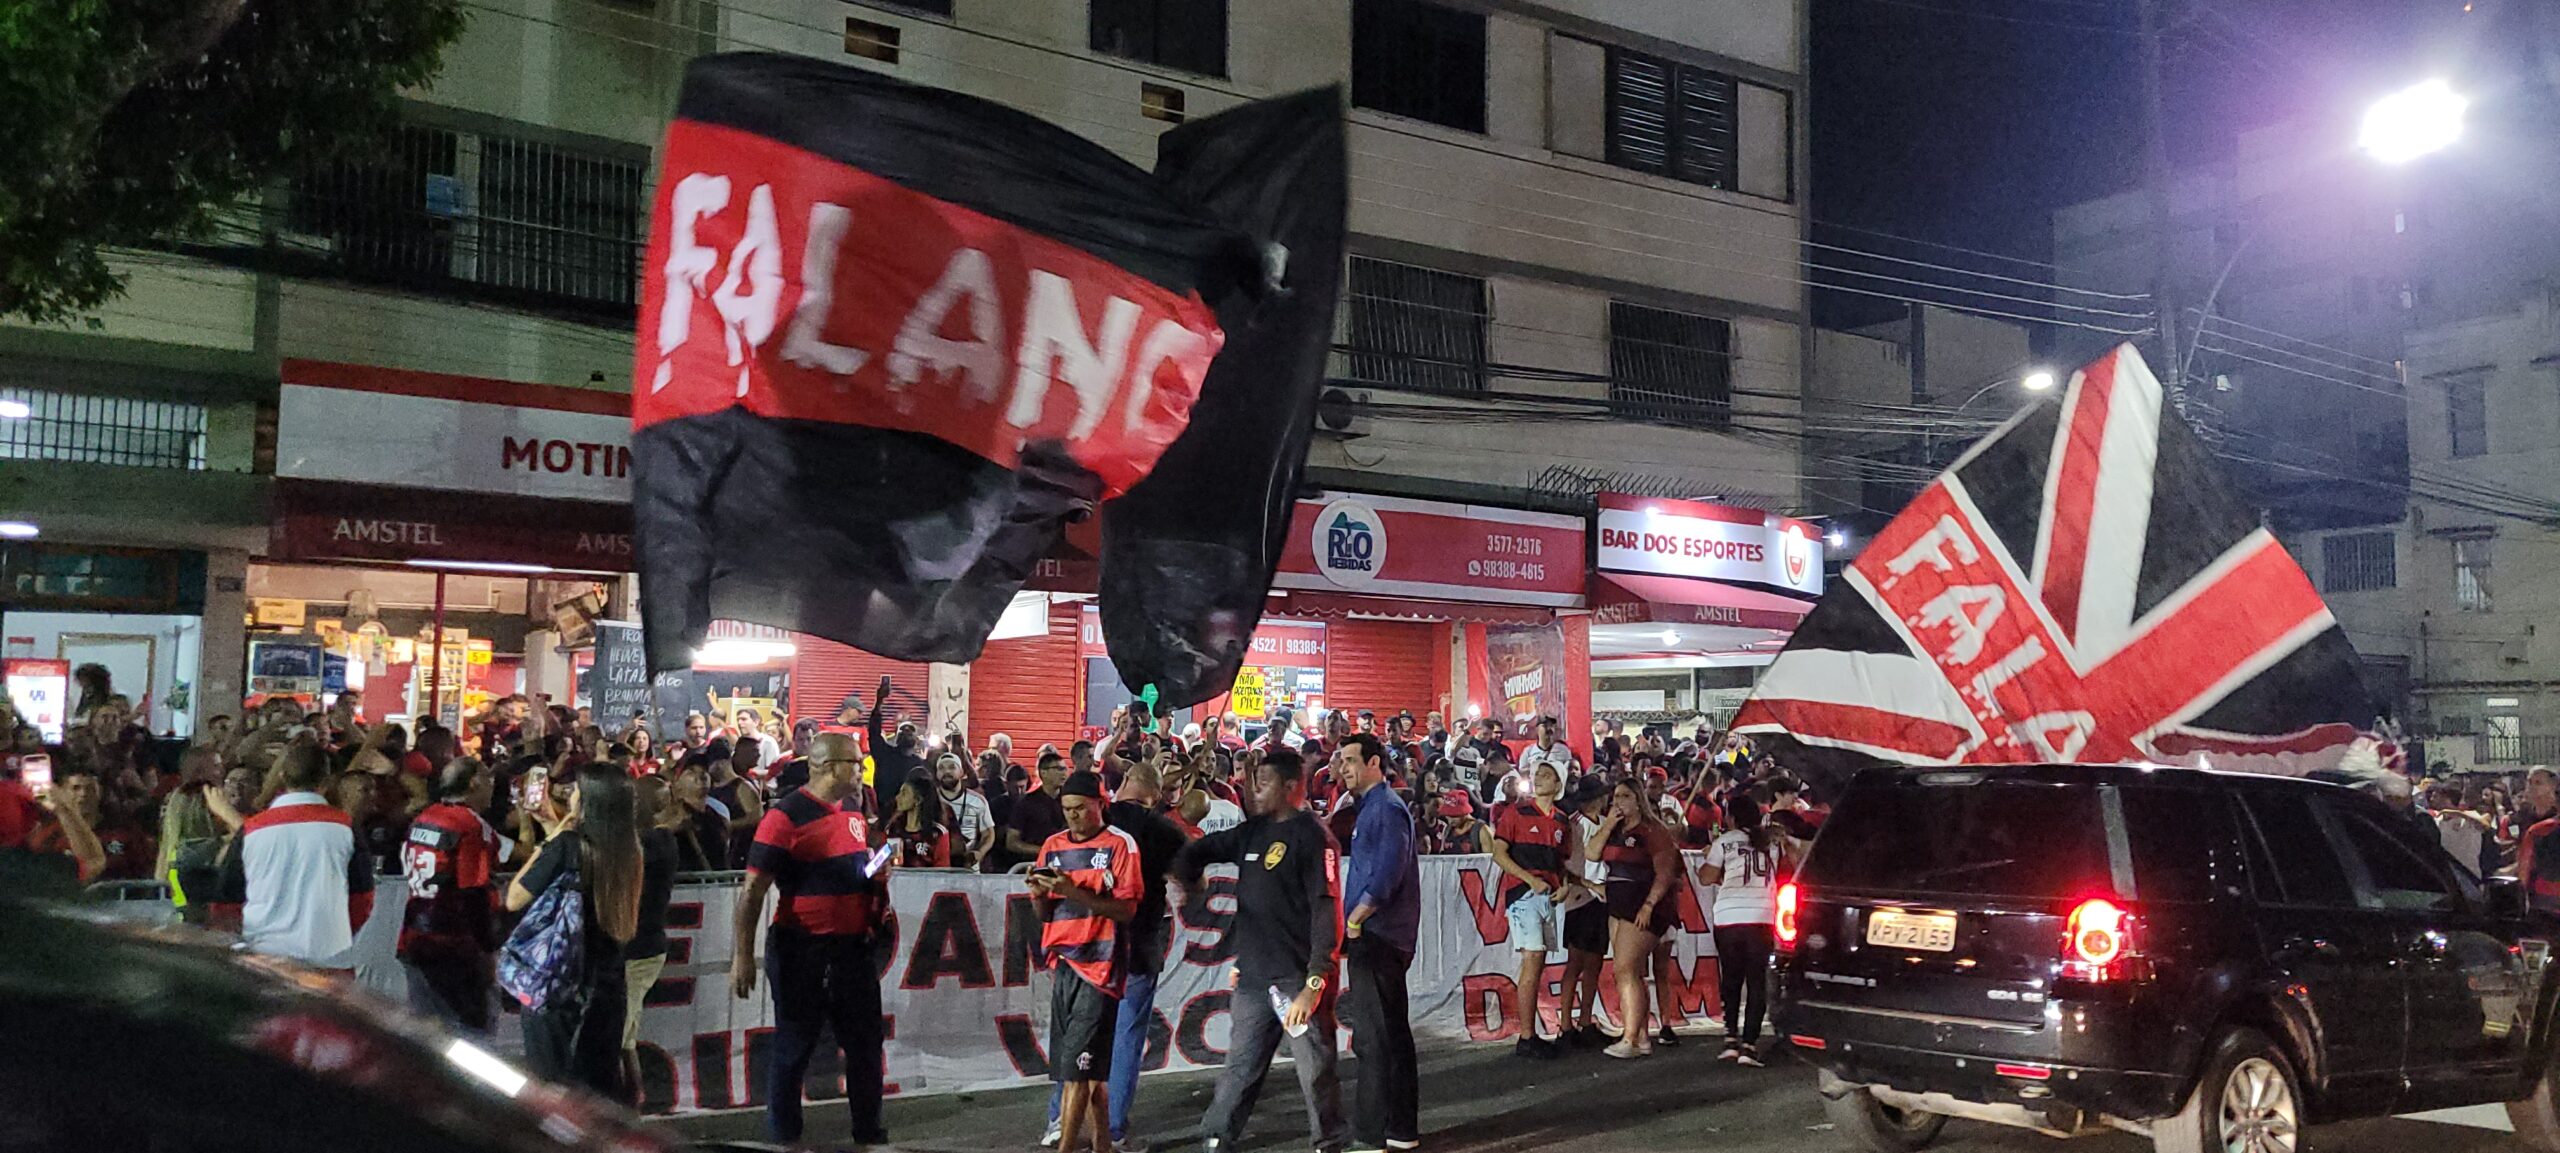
[[1380, 666], [823, 671], [1029, 688]]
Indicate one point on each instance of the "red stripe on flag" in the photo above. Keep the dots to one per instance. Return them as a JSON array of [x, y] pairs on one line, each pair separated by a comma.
[[1857, 725], [2317, 738], [797, 287], [2075, 494]]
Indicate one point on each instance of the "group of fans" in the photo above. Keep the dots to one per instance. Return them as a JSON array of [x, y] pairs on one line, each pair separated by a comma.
[[276, 833]]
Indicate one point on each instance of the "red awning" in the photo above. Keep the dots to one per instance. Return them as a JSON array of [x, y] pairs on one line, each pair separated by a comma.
[[327, 521], [1617, 598], [1301, 603]]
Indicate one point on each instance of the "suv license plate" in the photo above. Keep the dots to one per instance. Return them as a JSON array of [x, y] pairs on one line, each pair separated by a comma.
[[1930, 932]]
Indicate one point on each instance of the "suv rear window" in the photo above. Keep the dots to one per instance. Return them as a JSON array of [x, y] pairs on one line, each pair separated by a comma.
[[1997, 839]]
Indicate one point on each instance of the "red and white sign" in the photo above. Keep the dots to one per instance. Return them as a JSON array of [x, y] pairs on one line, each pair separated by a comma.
[[1688, 538], [1390, 546], [793, 286], [422, 430], [40, 690], [324, 522]]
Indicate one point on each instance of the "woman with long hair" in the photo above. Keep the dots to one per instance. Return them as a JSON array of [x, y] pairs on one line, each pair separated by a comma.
[[916, 826], [1743, 866], [1644, 862], [644, 958], [644, 750], [579, 1038]]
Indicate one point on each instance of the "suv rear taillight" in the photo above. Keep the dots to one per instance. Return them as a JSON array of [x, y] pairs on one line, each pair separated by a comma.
[[1788, 897], [2096, 940]]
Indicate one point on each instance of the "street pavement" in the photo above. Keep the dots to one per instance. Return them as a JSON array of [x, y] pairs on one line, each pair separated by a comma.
[[1479, 1099]]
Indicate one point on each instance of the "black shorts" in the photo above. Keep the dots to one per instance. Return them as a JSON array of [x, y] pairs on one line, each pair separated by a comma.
[[1626, 899], [1586, 928], [1081, 1021]]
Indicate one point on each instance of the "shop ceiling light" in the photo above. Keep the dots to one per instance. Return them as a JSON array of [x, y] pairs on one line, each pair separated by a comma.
[[15, 410], [17, 530], [731, 652], [484, 566], [1671, 636]]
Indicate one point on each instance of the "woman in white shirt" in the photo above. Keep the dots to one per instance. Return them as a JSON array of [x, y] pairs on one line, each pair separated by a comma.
[[1743, 866]]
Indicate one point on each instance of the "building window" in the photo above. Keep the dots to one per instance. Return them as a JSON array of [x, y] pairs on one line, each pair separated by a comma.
[[492, 214], [1673, 366], [1671, 119], [69, 578], [1420, 60], [1417, 328], [2358, 562], [1187, 34], [118, 430], [2471, 574], [2466, 416]]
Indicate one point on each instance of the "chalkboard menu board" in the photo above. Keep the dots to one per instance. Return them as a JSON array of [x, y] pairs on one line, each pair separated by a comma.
[[620, 679]]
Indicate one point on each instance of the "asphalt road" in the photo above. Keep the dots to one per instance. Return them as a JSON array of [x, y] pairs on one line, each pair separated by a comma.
[[1480, 1100]]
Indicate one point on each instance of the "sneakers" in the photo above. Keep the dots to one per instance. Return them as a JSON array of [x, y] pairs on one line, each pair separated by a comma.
[[1592, 1036], [1626, 1052], [1732, 1049], [1747, 1057], [1049, 1136], [1404, 1144], [1667, 1037], [1534, 1049]]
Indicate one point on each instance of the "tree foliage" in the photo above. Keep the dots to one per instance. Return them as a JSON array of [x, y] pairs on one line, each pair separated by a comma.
[[130, 121]]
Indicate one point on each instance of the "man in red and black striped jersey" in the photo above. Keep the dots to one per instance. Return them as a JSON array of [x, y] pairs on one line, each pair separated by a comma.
[[449, 928], [822, 951], [1532, 840], [1086, 884]]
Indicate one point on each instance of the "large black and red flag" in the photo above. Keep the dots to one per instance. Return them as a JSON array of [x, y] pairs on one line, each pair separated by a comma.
[[2082, 586], [893, 339]]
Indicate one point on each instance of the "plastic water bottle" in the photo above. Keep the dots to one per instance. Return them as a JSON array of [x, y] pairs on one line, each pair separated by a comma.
[[1281, 1008]]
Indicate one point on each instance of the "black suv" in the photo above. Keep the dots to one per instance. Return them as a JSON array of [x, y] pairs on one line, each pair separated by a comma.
[[2214, 959]]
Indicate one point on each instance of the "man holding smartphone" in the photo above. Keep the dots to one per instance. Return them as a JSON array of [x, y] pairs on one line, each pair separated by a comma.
[[822, 952], [1085, 884]]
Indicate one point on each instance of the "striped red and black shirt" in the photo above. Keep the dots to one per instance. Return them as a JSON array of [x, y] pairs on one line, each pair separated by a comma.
[[1075, 937], [814, 851]]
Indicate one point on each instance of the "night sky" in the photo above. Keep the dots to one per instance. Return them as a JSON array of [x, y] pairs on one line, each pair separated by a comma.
[[1966, 122]]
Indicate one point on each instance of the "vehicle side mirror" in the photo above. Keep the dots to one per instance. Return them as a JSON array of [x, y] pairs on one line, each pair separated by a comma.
[[2503, 897]]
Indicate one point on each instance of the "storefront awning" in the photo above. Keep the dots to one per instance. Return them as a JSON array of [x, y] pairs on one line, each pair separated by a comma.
[[324, 521], [1619, 598], [1298, 603]]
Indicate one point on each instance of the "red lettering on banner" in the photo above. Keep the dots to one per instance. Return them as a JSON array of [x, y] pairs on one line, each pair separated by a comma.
[[1491, 924], [1486, 998], [1993, 641], [1694, 994], [897, 310]]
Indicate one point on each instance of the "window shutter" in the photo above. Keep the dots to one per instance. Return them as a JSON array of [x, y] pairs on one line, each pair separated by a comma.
[[1028, 688], [1380, 666], [1705, 135], [823, 671], [1640, 112]]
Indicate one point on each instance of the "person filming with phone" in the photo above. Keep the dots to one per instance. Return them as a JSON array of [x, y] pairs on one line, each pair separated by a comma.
[[1085, 884]]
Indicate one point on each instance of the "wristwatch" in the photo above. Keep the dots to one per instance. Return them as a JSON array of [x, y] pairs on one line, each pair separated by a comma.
[[1315, 984]]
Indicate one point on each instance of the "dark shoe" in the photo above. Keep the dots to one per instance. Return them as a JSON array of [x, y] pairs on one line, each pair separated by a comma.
[[1667, 1037], [1593, 1037], [1535, 1049]]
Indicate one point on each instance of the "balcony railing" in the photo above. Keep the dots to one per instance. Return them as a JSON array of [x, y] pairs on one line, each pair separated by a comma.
[[2495, 749]]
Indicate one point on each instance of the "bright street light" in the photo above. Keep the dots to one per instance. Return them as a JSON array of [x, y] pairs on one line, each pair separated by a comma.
[[2413, 122], [2037, 381]]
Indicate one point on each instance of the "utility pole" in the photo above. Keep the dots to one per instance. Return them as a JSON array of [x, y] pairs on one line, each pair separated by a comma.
[[2155, 184]]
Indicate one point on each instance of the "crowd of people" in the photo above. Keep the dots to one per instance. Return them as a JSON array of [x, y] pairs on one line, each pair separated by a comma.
[[538, 817]]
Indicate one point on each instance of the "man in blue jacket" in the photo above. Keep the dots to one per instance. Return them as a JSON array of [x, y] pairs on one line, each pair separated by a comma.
[[1383, 891]]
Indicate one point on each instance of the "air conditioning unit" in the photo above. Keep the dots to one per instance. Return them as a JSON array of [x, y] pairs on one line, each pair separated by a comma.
[[1343, 413]]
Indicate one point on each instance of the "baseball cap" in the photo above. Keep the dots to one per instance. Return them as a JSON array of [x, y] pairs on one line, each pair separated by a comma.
[[1456, 803]]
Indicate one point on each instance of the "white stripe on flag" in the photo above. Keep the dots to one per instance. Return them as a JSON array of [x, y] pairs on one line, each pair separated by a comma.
[[2120, 517], [1887, 682]]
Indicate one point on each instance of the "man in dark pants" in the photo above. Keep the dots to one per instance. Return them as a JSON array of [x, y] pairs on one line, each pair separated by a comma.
[[822, 952], [1383, 887], [1285, 929]]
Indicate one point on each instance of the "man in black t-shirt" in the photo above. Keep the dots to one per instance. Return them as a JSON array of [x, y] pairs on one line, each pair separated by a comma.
[[1287, 929]]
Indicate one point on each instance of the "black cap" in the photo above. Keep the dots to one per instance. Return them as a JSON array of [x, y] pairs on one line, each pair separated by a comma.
[[1084, 784]]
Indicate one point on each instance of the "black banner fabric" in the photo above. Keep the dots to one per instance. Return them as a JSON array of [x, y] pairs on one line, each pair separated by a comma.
[[894, 339]]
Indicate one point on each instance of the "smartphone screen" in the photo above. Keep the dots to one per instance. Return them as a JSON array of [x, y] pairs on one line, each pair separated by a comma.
[[879, 857], [35, 770]]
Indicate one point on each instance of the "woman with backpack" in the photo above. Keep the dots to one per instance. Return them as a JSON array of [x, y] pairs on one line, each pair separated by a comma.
[[1743, 866], [564, 962]]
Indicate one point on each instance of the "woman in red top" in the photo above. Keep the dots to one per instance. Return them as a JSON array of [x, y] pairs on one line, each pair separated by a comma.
[[644, 750], [916, 828], [1644, 862]]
